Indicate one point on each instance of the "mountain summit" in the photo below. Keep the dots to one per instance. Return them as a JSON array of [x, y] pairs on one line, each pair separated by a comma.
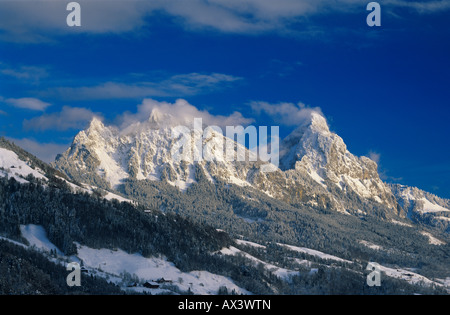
[[314, 150], [313, 135]]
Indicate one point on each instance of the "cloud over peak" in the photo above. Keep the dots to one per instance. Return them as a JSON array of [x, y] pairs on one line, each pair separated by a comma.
[[180, 112], [285, 113]]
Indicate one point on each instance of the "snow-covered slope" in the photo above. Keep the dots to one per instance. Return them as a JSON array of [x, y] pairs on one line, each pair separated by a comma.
[[114, 264], [117, 262], [423, 206], [37, 237], [15, 167], [409, 276], [418, 200], [313, 252]]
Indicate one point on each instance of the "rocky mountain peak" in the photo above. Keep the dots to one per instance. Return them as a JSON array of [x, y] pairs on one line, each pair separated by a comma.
[[159, 118], [95, 132], [318, 123], [313, 137], [313, 150], [96, 125]]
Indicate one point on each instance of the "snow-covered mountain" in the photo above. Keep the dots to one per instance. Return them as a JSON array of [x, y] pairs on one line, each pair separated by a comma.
[[316, 169], [313, 150], [422, 206], [323, 155], [146, 151]]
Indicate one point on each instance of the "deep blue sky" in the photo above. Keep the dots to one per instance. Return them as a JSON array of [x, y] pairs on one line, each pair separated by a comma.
[[385, 90]]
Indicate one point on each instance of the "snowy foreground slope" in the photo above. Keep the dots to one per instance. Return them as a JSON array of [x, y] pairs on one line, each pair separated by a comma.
[[117, 262], [124, 269], [15, 167]]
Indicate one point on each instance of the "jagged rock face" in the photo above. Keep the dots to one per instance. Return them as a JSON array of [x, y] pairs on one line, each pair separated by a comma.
[[316, 169], [313, 149]]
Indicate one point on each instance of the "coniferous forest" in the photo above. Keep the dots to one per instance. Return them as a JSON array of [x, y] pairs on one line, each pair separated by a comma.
[[90, 220]]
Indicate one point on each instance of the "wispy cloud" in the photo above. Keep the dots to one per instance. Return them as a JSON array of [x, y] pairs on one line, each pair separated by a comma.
[[175, 86], [43, 20], [27, 103], [36, 21], [284, 113], [421, 7], [68, 118], [30, 74], [281, 68], [40, 20], [374, 156]]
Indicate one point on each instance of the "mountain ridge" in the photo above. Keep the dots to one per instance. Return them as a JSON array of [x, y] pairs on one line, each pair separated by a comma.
[[312, 158]]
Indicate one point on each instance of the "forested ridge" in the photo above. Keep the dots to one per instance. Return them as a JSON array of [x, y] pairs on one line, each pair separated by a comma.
[[99, 223], [243, 211]]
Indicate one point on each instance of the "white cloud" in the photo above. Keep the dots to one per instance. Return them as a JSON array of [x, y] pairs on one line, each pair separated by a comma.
[[182, 113], [36, 21], [40, 20], [44, 151], [25, 73], [243, 16], [27, 103], [177, 85], [68, 118], [288, 114], [421, 7]]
